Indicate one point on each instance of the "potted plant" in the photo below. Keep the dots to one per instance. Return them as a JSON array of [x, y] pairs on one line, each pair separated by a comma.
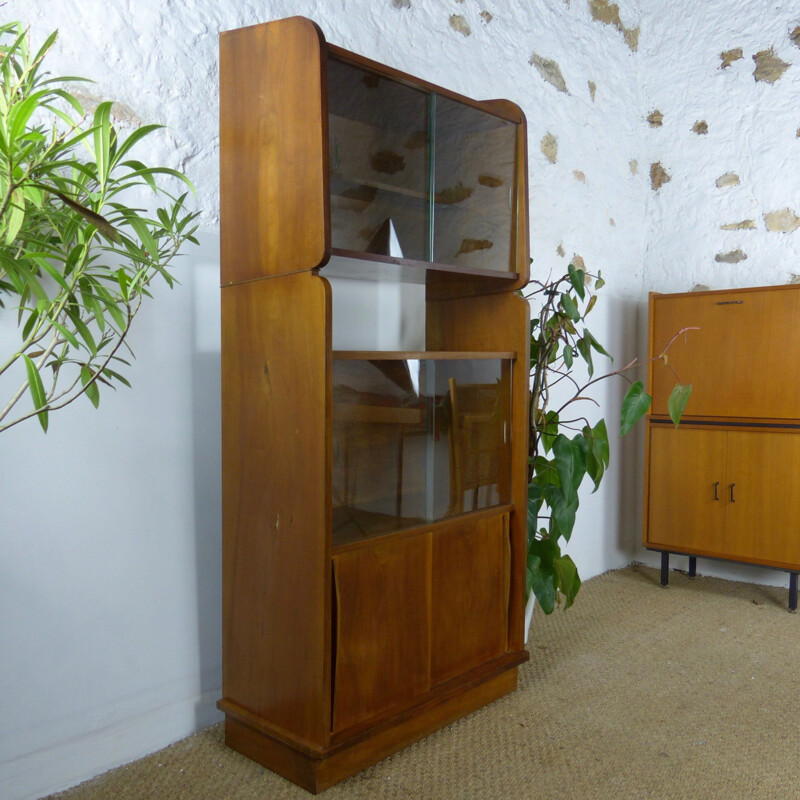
[[76, 261], [565, 447]]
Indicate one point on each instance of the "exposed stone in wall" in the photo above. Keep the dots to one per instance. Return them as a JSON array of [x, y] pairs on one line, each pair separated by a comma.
[[655, 118], [608, 13], [733, 257], [550, 147], [611, 222], [549, 70], [769, 67], [486, 17], [121, 113], [401, 3], [658, 176], [459, 24], [798, 133], [700, 127], [744, 225], [729, 56], [783, 221], [592, 89], [579, 176], [728, 179], [634, 165], [699, 287], [560, 249], [795, 36], [794, 278]]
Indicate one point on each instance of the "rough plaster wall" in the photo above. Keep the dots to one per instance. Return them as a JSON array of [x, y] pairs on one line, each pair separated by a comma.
[[109, 604], [701, 232]]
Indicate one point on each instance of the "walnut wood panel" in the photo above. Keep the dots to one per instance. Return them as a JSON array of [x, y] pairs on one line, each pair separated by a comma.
[[469, 597], [686, 489], [743, 361], [383, 606], [274, 195], [497, 322], [318, 771], [276, 557], [762, 495]]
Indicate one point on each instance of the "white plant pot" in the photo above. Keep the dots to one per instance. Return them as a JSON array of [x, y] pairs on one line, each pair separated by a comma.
[[529, 606]]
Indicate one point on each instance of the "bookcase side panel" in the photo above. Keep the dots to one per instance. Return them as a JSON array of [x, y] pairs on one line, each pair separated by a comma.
[[273, 150], [276, 410]]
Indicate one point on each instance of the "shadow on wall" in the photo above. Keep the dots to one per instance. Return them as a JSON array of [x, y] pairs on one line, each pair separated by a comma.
[[207, 475], [630, 448]]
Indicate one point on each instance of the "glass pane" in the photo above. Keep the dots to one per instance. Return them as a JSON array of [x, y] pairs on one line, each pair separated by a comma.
[[379, 163], [416, 441], [474, 188], [379, 441], [471, 449]]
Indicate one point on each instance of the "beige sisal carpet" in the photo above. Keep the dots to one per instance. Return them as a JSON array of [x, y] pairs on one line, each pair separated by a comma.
[[635, 692]]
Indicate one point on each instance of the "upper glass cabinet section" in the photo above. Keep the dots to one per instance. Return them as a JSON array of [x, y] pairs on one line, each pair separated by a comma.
[[417, 176]]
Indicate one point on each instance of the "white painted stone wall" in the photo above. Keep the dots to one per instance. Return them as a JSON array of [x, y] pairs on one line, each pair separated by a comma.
[[109, 524]]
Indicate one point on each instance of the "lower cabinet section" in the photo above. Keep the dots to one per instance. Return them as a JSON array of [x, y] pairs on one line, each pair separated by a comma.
[[416, 611], [730, 493], [469, 615], [382, 608]]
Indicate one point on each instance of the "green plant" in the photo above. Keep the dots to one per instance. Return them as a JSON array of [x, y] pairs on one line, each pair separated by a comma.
[[75, 260], [559, 463]]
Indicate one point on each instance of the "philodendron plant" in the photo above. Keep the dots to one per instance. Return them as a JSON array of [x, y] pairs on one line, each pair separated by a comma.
[[565, 447], [75, 260]]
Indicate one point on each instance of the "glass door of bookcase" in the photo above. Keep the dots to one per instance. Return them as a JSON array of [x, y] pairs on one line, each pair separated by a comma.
[[416, 440], [379, 156]]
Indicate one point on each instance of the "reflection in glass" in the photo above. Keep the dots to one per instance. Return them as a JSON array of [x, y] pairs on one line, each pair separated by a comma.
[[474, 187], [417, 440], [379, 147]]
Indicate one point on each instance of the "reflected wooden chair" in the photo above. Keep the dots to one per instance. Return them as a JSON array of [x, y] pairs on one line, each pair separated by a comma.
[[477, 445]]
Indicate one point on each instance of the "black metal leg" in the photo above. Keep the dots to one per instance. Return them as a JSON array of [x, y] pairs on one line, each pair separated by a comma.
[[692, 567], [664, 568], [792, 591]]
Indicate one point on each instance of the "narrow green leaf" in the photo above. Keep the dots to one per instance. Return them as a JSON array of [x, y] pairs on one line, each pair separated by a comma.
[[15, 215], [36, 389], [677, 401], [634, 405], [90, 388], [568, 355], [102, 140]]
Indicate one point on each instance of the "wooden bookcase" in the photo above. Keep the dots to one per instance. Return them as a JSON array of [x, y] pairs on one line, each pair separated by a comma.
[[374, 402], [723, 484]]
